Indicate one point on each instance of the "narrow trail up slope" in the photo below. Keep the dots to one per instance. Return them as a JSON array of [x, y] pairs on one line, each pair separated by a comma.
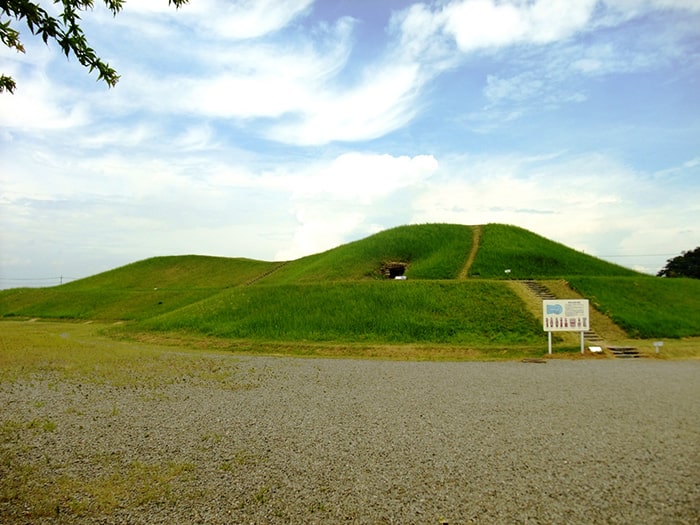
[[472, 254], [263, 275]]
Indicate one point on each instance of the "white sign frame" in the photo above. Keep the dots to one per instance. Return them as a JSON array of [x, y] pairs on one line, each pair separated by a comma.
[[565, 315]]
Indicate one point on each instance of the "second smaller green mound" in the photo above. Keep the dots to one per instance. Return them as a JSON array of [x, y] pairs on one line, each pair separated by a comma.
[[176, 272], [136, 291]]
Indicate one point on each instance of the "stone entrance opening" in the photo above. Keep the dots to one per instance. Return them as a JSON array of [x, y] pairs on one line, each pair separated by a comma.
[[392, 270]]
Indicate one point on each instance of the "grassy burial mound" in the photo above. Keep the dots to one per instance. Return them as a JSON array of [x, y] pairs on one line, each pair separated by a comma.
[[456, 292], [427, 251], [530, 256]]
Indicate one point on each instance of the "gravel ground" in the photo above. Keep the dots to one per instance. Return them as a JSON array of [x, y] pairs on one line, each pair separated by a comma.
[[345, 441]]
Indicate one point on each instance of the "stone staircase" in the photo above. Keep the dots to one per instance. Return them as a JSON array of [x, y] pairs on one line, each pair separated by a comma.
[[540, 290], [544, 293]]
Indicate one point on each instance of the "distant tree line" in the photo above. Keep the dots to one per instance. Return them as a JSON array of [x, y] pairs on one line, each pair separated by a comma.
[[685, 265]]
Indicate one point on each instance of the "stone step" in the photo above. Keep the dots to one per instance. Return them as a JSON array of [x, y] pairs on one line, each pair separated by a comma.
[[592, 337], [539, 290], [625, 352]]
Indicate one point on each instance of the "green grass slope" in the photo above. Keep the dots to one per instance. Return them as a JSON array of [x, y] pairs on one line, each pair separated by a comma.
[[646, 307], [136, 291], [469, 312], [531, 256], [430, 251], [132, 305], [176, 272]]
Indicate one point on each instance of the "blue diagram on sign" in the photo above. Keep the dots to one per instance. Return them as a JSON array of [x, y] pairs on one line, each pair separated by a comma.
[[554, 309]]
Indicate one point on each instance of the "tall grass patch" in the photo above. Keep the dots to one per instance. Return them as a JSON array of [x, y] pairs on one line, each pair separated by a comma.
[[646, 307], [373, 312]]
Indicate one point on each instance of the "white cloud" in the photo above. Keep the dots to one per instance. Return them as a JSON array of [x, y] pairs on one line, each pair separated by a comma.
[[244, 19], [491, 24], [125, 136], [320, 228], [245, 81], [419, 37], [635, 7], [546, 58], [518, 88], [32, 108], [591, 203], [345, 197], [38, 102], [227, 19], [384, 101], [195, 138], [297, 85], [361, 177], [484, 24], [197, 204]]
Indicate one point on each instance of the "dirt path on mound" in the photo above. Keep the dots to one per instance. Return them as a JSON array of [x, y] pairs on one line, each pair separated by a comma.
[[472, 254]]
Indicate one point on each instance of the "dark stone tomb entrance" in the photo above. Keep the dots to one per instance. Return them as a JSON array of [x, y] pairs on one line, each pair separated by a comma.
[[392, 270]]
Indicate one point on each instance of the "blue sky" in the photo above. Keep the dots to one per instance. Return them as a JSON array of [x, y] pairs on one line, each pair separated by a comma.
[[273, 130]]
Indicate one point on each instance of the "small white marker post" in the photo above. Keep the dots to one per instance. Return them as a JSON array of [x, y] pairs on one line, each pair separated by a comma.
[[658, 344]]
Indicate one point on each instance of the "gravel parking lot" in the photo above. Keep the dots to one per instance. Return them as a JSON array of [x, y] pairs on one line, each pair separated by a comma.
[[351, 441]]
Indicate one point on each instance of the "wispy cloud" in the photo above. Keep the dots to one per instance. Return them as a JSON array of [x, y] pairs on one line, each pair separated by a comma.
[[233, 20], [246, 19], [538, 47], [383, 101]]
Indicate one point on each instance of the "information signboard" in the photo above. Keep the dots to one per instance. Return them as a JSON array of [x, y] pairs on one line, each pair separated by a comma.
[[565, 315]]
